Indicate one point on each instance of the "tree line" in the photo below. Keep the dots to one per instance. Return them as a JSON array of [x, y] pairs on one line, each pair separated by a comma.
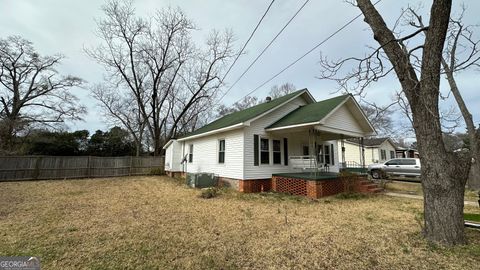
[[111, 143], [158, 83]]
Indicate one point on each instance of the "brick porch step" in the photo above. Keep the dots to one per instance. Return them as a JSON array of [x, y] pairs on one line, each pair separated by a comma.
[[369, 187]]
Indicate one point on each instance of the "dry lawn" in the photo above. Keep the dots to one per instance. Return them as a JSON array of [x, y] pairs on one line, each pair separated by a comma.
[[156, 223], [415, 188]]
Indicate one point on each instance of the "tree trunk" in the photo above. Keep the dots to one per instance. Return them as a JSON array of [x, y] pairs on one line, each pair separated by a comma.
[[474, 177], [443, 201], [443, 174]]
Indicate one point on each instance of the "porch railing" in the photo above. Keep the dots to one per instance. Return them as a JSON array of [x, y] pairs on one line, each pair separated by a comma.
[[307, 163]]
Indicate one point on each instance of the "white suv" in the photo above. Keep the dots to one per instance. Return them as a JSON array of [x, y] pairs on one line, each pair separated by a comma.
[[396, 166]]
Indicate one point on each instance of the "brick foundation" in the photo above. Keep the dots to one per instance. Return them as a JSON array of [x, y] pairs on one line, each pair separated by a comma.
[[290, 185], [320, 188], [303, 187], [175, 174], [228, 182], [256, 185]]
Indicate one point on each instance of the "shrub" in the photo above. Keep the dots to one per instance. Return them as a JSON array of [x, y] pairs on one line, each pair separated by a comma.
[[157, 171], [208, 193]]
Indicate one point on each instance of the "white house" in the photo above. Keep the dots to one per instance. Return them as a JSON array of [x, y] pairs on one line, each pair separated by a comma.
[[290, 134], [375, 150]]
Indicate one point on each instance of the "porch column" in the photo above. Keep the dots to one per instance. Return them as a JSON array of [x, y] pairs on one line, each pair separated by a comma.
[[363, 152], [343, 152]]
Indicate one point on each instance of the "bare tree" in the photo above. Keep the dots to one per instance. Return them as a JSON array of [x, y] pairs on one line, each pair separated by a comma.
[[118, 111], [380, 117], [417, 65], [246, 102], [154, 60], [32, 92], [282, 90], [461, 38]]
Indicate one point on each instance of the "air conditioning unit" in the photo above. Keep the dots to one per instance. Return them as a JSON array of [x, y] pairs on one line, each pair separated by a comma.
[[201, 180]]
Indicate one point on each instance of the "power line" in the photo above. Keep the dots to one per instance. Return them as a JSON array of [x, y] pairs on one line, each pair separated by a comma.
[[263, 51], [307, 53], [248, 40]]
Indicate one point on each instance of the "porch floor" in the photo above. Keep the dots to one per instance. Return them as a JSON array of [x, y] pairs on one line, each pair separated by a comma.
[[309, 175]]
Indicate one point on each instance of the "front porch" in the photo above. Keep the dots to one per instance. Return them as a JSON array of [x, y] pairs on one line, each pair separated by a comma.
[[316, 185]]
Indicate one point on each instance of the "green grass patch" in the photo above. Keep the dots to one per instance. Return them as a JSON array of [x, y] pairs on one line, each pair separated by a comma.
[[472, 217]]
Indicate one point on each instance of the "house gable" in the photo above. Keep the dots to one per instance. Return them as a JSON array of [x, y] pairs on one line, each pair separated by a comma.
[[339, 115], [245, 117], [348, 117]]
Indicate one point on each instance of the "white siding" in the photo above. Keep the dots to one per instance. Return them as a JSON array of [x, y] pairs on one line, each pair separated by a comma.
[[168, 158], [258, 127], [343, 119], [173, 157], [205, 154], [352, 152], [372, 154], [387, 146]]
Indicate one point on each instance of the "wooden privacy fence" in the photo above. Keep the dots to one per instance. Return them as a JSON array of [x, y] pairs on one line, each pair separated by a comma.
[[59, 167]]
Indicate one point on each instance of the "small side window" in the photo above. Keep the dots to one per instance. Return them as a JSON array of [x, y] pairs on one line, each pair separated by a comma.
[[190, 153], [221, 151]]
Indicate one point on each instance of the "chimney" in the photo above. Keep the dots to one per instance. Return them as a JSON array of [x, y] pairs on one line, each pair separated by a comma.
[[268, 99]]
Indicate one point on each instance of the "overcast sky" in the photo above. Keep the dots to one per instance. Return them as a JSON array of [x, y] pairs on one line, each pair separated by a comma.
[[67, 26]]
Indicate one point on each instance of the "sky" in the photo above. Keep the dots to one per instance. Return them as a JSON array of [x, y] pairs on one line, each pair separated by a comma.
[[68, 26]]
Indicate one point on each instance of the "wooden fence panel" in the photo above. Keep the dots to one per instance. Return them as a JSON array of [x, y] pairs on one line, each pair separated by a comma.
[[60, 167]]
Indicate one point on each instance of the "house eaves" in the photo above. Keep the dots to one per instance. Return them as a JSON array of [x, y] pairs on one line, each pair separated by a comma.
[[245, 117]]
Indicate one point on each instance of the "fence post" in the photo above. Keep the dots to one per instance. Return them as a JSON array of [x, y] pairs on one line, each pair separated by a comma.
[[88, 167], [36, 172], [131, 165]]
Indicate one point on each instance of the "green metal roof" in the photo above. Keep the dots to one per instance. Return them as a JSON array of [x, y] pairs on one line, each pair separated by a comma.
[[244, 115], [313, 112]]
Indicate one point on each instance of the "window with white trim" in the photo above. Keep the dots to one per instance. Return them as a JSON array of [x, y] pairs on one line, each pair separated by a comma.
[[383, 154], [190, 153], [327, 154], [264, 151], [221, 151]]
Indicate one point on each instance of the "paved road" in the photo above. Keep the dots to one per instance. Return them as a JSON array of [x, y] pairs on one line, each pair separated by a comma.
[[417, 197]]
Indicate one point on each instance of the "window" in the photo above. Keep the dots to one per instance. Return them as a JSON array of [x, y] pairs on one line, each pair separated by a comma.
[[277, 154], [327, 154], [305, 151], [264, 151], [320, 153], [392, 154], [383, 154], [408, 161], [393, 162], [221, 151], [190, 153]]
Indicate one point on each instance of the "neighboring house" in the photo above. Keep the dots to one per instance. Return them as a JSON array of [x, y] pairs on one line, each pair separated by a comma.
[[402, 152], [249, 146], [376, 150]]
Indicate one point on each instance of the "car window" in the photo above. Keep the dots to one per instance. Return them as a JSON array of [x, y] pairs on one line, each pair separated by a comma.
[[408, 162], [393, 162]]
